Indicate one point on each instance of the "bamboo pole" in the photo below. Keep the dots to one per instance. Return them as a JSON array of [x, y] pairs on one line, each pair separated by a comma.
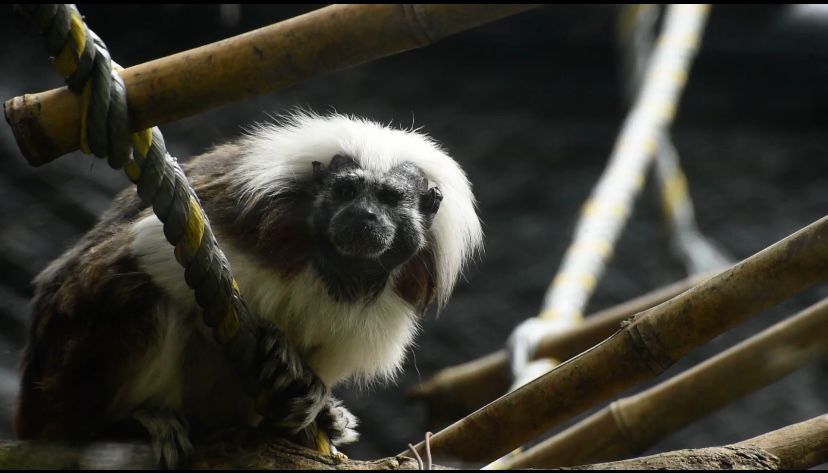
[[642, 349], [459, 390], [631, 425], [46, 125], [795, 447]]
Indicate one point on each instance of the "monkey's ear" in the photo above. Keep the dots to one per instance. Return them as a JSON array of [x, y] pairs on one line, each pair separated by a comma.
[[340, 162], [430, 203]]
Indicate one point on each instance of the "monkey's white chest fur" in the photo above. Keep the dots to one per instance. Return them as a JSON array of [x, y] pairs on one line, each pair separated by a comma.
[[339, 341]]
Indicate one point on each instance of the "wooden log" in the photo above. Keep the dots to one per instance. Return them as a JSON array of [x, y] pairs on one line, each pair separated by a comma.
[[47, 125], [631, 425], [795, 447], [799, 446], [459, 390], [647, 346]]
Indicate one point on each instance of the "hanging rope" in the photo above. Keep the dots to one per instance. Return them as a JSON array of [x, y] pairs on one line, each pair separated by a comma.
[[636, 37], [84, 61], [606, 211]]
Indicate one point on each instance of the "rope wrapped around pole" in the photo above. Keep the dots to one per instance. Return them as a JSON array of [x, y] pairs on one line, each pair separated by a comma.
[[83, 59], [264, 60]]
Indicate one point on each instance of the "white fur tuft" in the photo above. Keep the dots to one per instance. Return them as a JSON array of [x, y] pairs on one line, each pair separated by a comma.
[[274, 156]]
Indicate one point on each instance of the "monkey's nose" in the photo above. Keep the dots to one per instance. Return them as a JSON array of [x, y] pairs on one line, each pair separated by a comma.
[[361, 233], [365, 214]]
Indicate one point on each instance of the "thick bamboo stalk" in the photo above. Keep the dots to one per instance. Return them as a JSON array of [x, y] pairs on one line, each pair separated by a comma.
[[795, 447], [631, 425], [642, 349], [46, 125], [459, 390]]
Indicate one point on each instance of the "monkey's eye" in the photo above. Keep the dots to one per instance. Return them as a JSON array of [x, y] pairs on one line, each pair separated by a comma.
[[389, 196], [345, 190]]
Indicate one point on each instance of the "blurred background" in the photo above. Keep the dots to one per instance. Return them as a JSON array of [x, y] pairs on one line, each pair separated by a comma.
[[530, 106]]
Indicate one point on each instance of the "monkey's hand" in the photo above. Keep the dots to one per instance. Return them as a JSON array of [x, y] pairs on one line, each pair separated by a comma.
[[168, 434], [338, 423], [293, 395]]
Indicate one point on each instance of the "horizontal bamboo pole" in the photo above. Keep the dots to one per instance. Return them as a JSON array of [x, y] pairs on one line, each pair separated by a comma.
[[46, 125], [795, 447], [459, 390], [642, 349], [631, 425]]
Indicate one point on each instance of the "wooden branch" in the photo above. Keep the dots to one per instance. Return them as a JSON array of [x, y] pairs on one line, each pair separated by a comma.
[[46, 125], [631, 425], [243, 449], [795, 447], [799, 446], [459, 390], [714, 458], [647, 346]]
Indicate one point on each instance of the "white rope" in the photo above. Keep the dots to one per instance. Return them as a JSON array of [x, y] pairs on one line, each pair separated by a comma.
[[637, 33], [606, 211]]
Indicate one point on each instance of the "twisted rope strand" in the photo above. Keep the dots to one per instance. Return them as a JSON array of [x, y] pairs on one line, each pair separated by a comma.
[[84, 61]]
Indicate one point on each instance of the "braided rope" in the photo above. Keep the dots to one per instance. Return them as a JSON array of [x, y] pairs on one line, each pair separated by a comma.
[[83, 59]]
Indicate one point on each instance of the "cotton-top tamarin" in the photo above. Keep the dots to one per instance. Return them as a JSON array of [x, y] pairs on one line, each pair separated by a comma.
[[340, 233]]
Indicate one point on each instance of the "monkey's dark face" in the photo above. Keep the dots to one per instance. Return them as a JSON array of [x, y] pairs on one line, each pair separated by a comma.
[[364, 221]]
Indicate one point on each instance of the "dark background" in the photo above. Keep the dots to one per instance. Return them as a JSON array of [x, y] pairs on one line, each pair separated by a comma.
[[530, 106]]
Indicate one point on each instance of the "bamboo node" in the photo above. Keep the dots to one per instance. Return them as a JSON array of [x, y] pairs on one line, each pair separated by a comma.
[[654, 358]]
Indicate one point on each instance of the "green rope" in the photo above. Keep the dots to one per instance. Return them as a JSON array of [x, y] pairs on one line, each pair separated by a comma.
[[83, 59]]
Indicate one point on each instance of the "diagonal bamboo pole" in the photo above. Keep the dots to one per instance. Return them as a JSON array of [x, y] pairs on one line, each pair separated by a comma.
[[642, 349], [460, 390], [47, 125], [631, 425]]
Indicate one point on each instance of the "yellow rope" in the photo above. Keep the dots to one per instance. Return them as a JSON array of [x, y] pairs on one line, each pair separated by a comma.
[[66, 62]]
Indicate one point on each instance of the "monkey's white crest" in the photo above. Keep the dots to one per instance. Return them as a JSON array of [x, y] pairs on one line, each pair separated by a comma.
[[276, 156]]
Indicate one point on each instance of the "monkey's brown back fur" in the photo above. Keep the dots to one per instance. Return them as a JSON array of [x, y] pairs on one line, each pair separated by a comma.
[[90, 321]]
